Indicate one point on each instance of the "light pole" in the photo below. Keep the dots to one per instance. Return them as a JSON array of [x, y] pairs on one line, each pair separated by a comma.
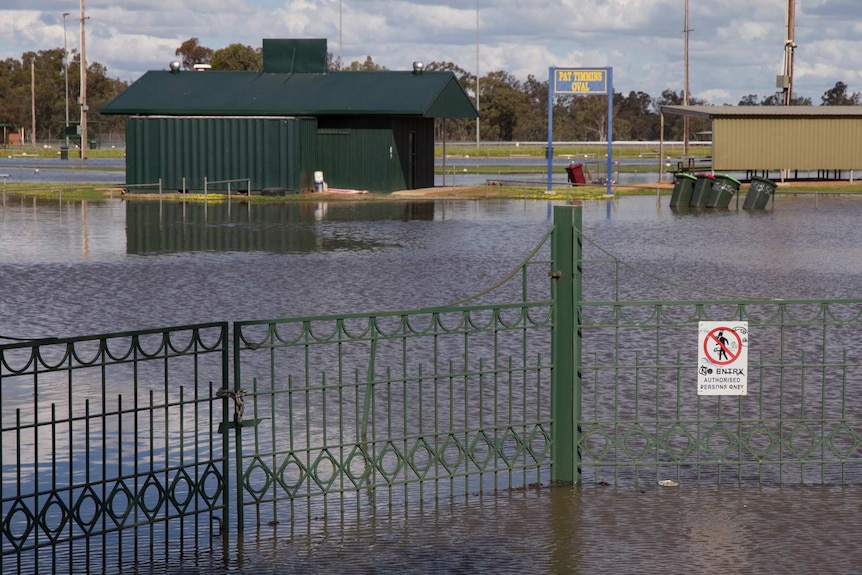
[[66, 76], [84, 107]]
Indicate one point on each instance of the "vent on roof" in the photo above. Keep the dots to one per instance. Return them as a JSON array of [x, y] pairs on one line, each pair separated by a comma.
[[202, 67]]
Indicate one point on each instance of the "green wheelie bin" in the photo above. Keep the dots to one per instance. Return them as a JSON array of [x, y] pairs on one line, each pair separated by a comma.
[[759, 192], [722, 191], [683, 186], [701, 191]]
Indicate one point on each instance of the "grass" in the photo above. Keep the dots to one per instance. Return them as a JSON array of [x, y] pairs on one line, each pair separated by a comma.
[[60, 191], [530, 192]]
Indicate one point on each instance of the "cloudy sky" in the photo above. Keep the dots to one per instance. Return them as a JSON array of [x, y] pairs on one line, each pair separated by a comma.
[[736, 47]]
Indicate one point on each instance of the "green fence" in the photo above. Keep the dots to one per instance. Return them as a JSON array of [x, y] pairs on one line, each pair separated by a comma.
[[643, 420], [136, 450]]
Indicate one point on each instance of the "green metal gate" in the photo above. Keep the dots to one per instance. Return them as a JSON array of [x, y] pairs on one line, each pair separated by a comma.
[[343, 414], [110, 452]]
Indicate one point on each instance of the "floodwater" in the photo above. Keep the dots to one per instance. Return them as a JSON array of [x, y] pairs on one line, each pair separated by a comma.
[[16, 168], [73, 268], [459, 170]]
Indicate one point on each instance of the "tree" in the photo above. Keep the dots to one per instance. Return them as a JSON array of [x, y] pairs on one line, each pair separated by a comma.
[[590, 114], [333, 64], [634, 117], [100, 90], [502, 103], [839, 96], [532, 125], [674, 124], [193, 53], [16, 98], [237, 57], [368, 66], [776, 99]]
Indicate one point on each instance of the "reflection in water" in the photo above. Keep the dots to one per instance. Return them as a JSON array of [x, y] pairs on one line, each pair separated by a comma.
[[278, 228], [563, 530]]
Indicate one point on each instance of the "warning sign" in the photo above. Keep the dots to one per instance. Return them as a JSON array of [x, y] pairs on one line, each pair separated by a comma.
[[723, 358]]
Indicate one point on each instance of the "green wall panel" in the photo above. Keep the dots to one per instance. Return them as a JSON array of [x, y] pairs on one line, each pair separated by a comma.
[[184, 151], [378, 154]]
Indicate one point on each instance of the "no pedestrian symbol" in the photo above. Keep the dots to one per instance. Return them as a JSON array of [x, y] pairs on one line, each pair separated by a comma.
[[723, 358]]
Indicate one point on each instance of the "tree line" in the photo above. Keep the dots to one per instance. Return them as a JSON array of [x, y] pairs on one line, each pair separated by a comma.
[[510, 110], [38, 80]]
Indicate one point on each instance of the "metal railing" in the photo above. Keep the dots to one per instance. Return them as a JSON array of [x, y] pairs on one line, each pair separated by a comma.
[[208, 183], [644, 421]]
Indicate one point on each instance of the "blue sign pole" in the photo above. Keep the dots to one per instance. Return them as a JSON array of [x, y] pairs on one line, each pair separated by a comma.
[[551, 93], [610, 127]]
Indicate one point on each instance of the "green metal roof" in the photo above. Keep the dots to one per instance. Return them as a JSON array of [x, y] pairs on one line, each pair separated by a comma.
[[232, 93]]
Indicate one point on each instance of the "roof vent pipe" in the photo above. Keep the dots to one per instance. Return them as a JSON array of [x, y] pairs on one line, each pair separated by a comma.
[[175, 67], [418, 67]]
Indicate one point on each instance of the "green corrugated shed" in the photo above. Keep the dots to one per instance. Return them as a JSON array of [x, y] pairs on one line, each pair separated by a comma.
[[374, 130], [267, 150]]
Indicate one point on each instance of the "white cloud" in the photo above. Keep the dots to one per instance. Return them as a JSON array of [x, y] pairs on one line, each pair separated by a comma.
[[735, 46]]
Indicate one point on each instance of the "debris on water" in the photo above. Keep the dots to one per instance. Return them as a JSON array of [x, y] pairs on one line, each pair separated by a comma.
[[668, 483]]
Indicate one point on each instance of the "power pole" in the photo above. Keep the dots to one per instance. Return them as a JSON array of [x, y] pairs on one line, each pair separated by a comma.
[[789, 46], [33, 102], [83, 89], [685, 95], [477, 72]]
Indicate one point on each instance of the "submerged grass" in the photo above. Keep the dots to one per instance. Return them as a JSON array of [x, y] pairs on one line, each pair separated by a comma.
[[61, 191], [484, 191]]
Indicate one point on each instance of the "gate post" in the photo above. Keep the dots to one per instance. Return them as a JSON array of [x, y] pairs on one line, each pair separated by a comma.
[[566, 345]]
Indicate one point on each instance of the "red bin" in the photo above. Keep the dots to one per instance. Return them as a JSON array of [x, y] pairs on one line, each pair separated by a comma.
[[576, 174]]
